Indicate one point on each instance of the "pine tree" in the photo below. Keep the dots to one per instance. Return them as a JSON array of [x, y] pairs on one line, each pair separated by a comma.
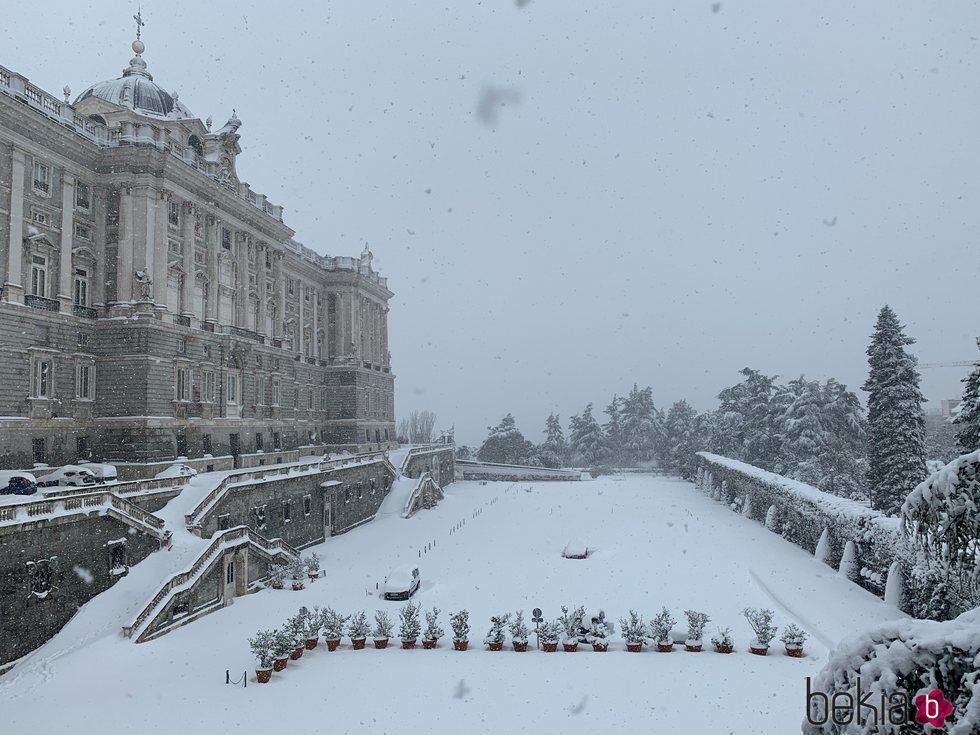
[[682, 440], [896, 425], [642, 426], [554, 448], [968, 414], [614, 431], [587, 439], [506, 444]]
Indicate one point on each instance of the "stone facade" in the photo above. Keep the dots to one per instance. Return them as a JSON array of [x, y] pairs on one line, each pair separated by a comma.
[[155, 306]]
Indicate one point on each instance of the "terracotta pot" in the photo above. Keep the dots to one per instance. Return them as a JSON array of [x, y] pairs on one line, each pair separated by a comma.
[[277, 585], [600, 647], [313, 577], [570, 647], [311, 643], [665, 647], [380, 643], [427, 644], [520, 646], [794, 652], [550, 647], [298, 653], [357, 643], [693, 649], [634, 647], [280, 663], [332, 644], [297, 586], [723, 649], [263, 675], [408, 644], [496, 646], [461, 645], [759, 651]]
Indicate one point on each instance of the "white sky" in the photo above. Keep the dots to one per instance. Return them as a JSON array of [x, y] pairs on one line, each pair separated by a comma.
[[669, 195]]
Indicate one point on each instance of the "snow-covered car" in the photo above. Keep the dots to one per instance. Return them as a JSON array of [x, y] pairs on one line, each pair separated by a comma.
[[177, 470], [402, 582], [17, 483], [71, 475], [103, 472], [575, 550]]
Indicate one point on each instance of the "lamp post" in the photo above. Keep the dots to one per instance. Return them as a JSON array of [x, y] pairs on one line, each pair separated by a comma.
[[536, 619]]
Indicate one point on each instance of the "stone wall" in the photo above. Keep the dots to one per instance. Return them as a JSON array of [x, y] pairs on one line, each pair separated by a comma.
[[469, 470], [440, 462], [80, 569]]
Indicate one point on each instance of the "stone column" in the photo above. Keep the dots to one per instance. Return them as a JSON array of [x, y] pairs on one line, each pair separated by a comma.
[[344, 315], [212, 229], [187, 287], [280, 280], [67, 233], [157, 252], [13, 288], [301, 316], [241, 302], [124, 254], [261, 277], [316, 322], [384, 338]]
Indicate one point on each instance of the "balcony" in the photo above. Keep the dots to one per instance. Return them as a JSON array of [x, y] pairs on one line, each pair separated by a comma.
[[85, 312], [39, 302], [243, 333], [182, 321], [207, 326]]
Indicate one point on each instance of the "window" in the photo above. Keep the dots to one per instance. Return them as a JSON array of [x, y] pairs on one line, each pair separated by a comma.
[[290, 285], [173, 214], [175, 247], [208, 447], [307, 294], [81, 447], [42, 178], [259, 391], [276, 391], [39, 276], [40, 217], [39, 449], [276, 440], [323, 399], [268, 258], [181, 384], [82, 232], [80, 289], [285, 510], [40, 575], [230, 572], [41, 382], [117, 557], [207, 350], [307, 504], [360, 489], [346, 494], [226, 238], [258, 441], [367, 436], [181, 346], [83, 197], [224, 522], [309, 399], [374, 485], [208, 386], [259, 512], [232, 389], [85, 382], [295, 397]]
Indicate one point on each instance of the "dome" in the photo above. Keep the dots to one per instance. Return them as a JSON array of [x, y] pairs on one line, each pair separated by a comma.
[[136, 90]]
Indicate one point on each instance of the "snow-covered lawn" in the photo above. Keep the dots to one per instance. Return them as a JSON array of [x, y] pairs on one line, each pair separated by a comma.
[[652, 542]]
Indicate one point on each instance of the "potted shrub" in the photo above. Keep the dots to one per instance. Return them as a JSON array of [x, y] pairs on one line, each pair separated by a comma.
[[281, 648], [383, 628], [277, 576], [460, 623], [410, 627], [311, 622], [296, 628], [333, 624], [549, 633], [793, 638], [634, 632], [296, 573], [263, 645], [723, 641], [518, 632], [661, 628], [695, 629], [600, 632], [761, 623], [432, 632], [570, 623], [311, 565], [358, 629], [495, 636]]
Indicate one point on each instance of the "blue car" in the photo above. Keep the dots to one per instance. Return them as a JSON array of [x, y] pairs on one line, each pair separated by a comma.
[[17, 483]]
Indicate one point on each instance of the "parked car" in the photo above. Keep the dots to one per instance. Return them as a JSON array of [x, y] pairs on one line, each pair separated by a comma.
[[177, 470], [103, 472], [575, 550], [17, 483], [71, 475], [402, 582]]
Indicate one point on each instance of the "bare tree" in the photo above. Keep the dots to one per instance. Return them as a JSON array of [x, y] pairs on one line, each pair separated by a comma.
[[418, 427]]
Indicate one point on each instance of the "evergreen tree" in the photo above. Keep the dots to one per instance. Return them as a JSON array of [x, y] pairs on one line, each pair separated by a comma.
[[968, 415], [587, 439], [896, 426], [506, 444], [554, 448], [682, 439], [642, 426], [803, 434], [614, 431], [844, 461]]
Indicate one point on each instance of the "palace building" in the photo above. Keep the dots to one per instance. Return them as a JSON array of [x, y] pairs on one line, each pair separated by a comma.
[[154, 306]]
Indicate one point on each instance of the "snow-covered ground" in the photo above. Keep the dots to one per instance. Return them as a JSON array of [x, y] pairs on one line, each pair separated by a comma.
[[653, 541]]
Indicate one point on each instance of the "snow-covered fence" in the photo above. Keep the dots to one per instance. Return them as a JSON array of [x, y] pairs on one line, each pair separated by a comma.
[[809, 518], [472, 470]]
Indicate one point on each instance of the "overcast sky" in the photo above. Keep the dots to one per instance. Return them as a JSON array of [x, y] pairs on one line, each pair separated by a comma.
[[568, 197]]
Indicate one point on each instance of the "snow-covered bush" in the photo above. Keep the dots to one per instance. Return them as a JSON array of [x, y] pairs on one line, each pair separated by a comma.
[[358, 628], [661, 626], [262, 645], [723, 638], [793, 636], [634, 629], [549, 632], [432, 630], [312, 621], [311, 564], [571, 622], [695, 625], [277, 573], [297, 568], [761, 623], [902, 659], [496, 632], [601, 629], [409, 627], [333, 624], [849, 564], [296, 627], [283, 643], [518, 628], [383, 627], [460, 623]]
